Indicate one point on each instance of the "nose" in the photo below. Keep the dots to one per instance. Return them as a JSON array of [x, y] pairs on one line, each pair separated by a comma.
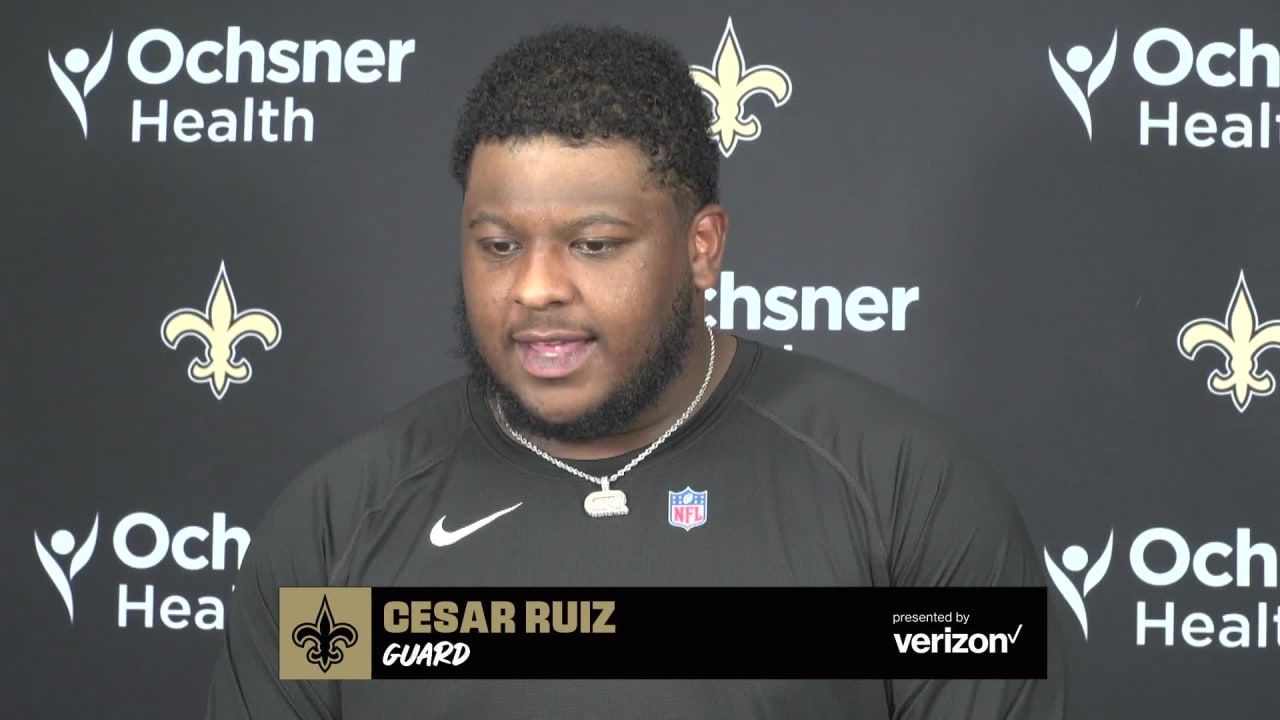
[[542, 277]]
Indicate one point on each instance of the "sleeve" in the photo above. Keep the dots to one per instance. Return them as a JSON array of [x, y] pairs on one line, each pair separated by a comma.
[[952, 521], [290, 547]]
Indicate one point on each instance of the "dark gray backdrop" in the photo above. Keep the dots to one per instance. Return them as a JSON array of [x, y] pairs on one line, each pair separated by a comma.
[[924, 145]]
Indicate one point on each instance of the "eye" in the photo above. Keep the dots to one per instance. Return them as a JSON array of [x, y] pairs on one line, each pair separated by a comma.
[[595, 246], [500, 247]]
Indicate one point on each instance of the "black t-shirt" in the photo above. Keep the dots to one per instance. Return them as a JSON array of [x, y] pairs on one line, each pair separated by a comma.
[[814, 476]]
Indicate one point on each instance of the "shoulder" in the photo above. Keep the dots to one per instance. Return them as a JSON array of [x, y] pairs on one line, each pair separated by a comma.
[[941, 508], [319, 509], [846, 413], [400, 443]]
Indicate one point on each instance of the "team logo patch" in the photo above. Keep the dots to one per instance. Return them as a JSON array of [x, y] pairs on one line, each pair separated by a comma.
[[687, 508]]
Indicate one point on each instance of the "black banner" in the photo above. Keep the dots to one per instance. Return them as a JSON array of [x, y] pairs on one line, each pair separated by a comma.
[[699, 633]]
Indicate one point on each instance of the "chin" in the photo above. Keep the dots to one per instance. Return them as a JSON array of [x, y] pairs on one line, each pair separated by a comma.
[[554, 407]]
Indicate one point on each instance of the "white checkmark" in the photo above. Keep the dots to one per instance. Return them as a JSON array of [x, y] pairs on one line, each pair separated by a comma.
[[441, 537]]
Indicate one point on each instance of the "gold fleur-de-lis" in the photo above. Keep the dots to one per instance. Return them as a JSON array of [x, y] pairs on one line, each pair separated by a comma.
[[1241, 340], [324, 639], [220, 326], [728, 86]]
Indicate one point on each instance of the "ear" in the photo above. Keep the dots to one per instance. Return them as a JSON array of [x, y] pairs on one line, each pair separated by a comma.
[[708, 233]]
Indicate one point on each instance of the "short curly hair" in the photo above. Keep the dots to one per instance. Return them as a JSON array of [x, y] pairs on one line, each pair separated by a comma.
[[598, 84]]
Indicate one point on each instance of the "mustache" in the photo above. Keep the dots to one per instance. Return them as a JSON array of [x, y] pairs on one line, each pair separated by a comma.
[[546, 325]]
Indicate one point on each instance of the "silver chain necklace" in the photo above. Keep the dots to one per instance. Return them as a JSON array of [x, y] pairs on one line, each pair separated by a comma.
[[605, 501]]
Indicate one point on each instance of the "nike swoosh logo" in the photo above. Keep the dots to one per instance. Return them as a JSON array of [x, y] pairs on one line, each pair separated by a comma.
[[441, 537]]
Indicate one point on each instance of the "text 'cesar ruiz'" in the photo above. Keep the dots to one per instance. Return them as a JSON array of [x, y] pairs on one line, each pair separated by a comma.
[[498, 616]]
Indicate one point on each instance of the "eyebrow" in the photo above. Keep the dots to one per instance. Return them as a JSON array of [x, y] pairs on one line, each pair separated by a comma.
[[576, 224]]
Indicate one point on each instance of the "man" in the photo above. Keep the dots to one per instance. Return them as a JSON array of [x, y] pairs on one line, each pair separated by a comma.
[[590, 229]]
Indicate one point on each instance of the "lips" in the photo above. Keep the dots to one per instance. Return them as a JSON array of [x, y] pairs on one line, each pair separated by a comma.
[[549, 337], [550, 356]]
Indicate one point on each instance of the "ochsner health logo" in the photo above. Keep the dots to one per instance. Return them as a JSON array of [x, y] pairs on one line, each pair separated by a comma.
[[158, 58], [76, 62], [1166, 61], [143, 541], [1230, 570], [63, 543]]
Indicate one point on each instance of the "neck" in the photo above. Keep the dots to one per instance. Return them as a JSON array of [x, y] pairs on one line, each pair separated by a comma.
[[651, 424]]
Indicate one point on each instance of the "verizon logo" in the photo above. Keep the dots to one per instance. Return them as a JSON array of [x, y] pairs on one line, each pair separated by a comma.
[[950, 643]]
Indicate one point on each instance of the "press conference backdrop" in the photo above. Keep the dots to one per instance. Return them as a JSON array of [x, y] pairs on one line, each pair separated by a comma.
[[1054, 223]]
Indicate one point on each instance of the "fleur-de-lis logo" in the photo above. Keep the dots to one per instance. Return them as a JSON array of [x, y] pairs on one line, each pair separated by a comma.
[[729, 85], [1241, 340], [220, 326], [324, 639]]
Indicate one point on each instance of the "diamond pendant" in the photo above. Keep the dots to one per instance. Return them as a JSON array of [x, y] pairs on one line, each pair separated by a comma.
[[606, 502]]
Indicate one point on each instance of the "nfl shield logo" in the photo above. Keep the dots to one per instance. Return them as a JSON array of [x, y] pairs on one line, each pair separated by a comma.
[[687, 508]]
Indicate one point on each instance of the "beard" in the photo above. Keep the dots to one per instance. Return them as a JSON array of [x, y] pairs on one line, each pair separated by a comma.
[[664, 360]]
